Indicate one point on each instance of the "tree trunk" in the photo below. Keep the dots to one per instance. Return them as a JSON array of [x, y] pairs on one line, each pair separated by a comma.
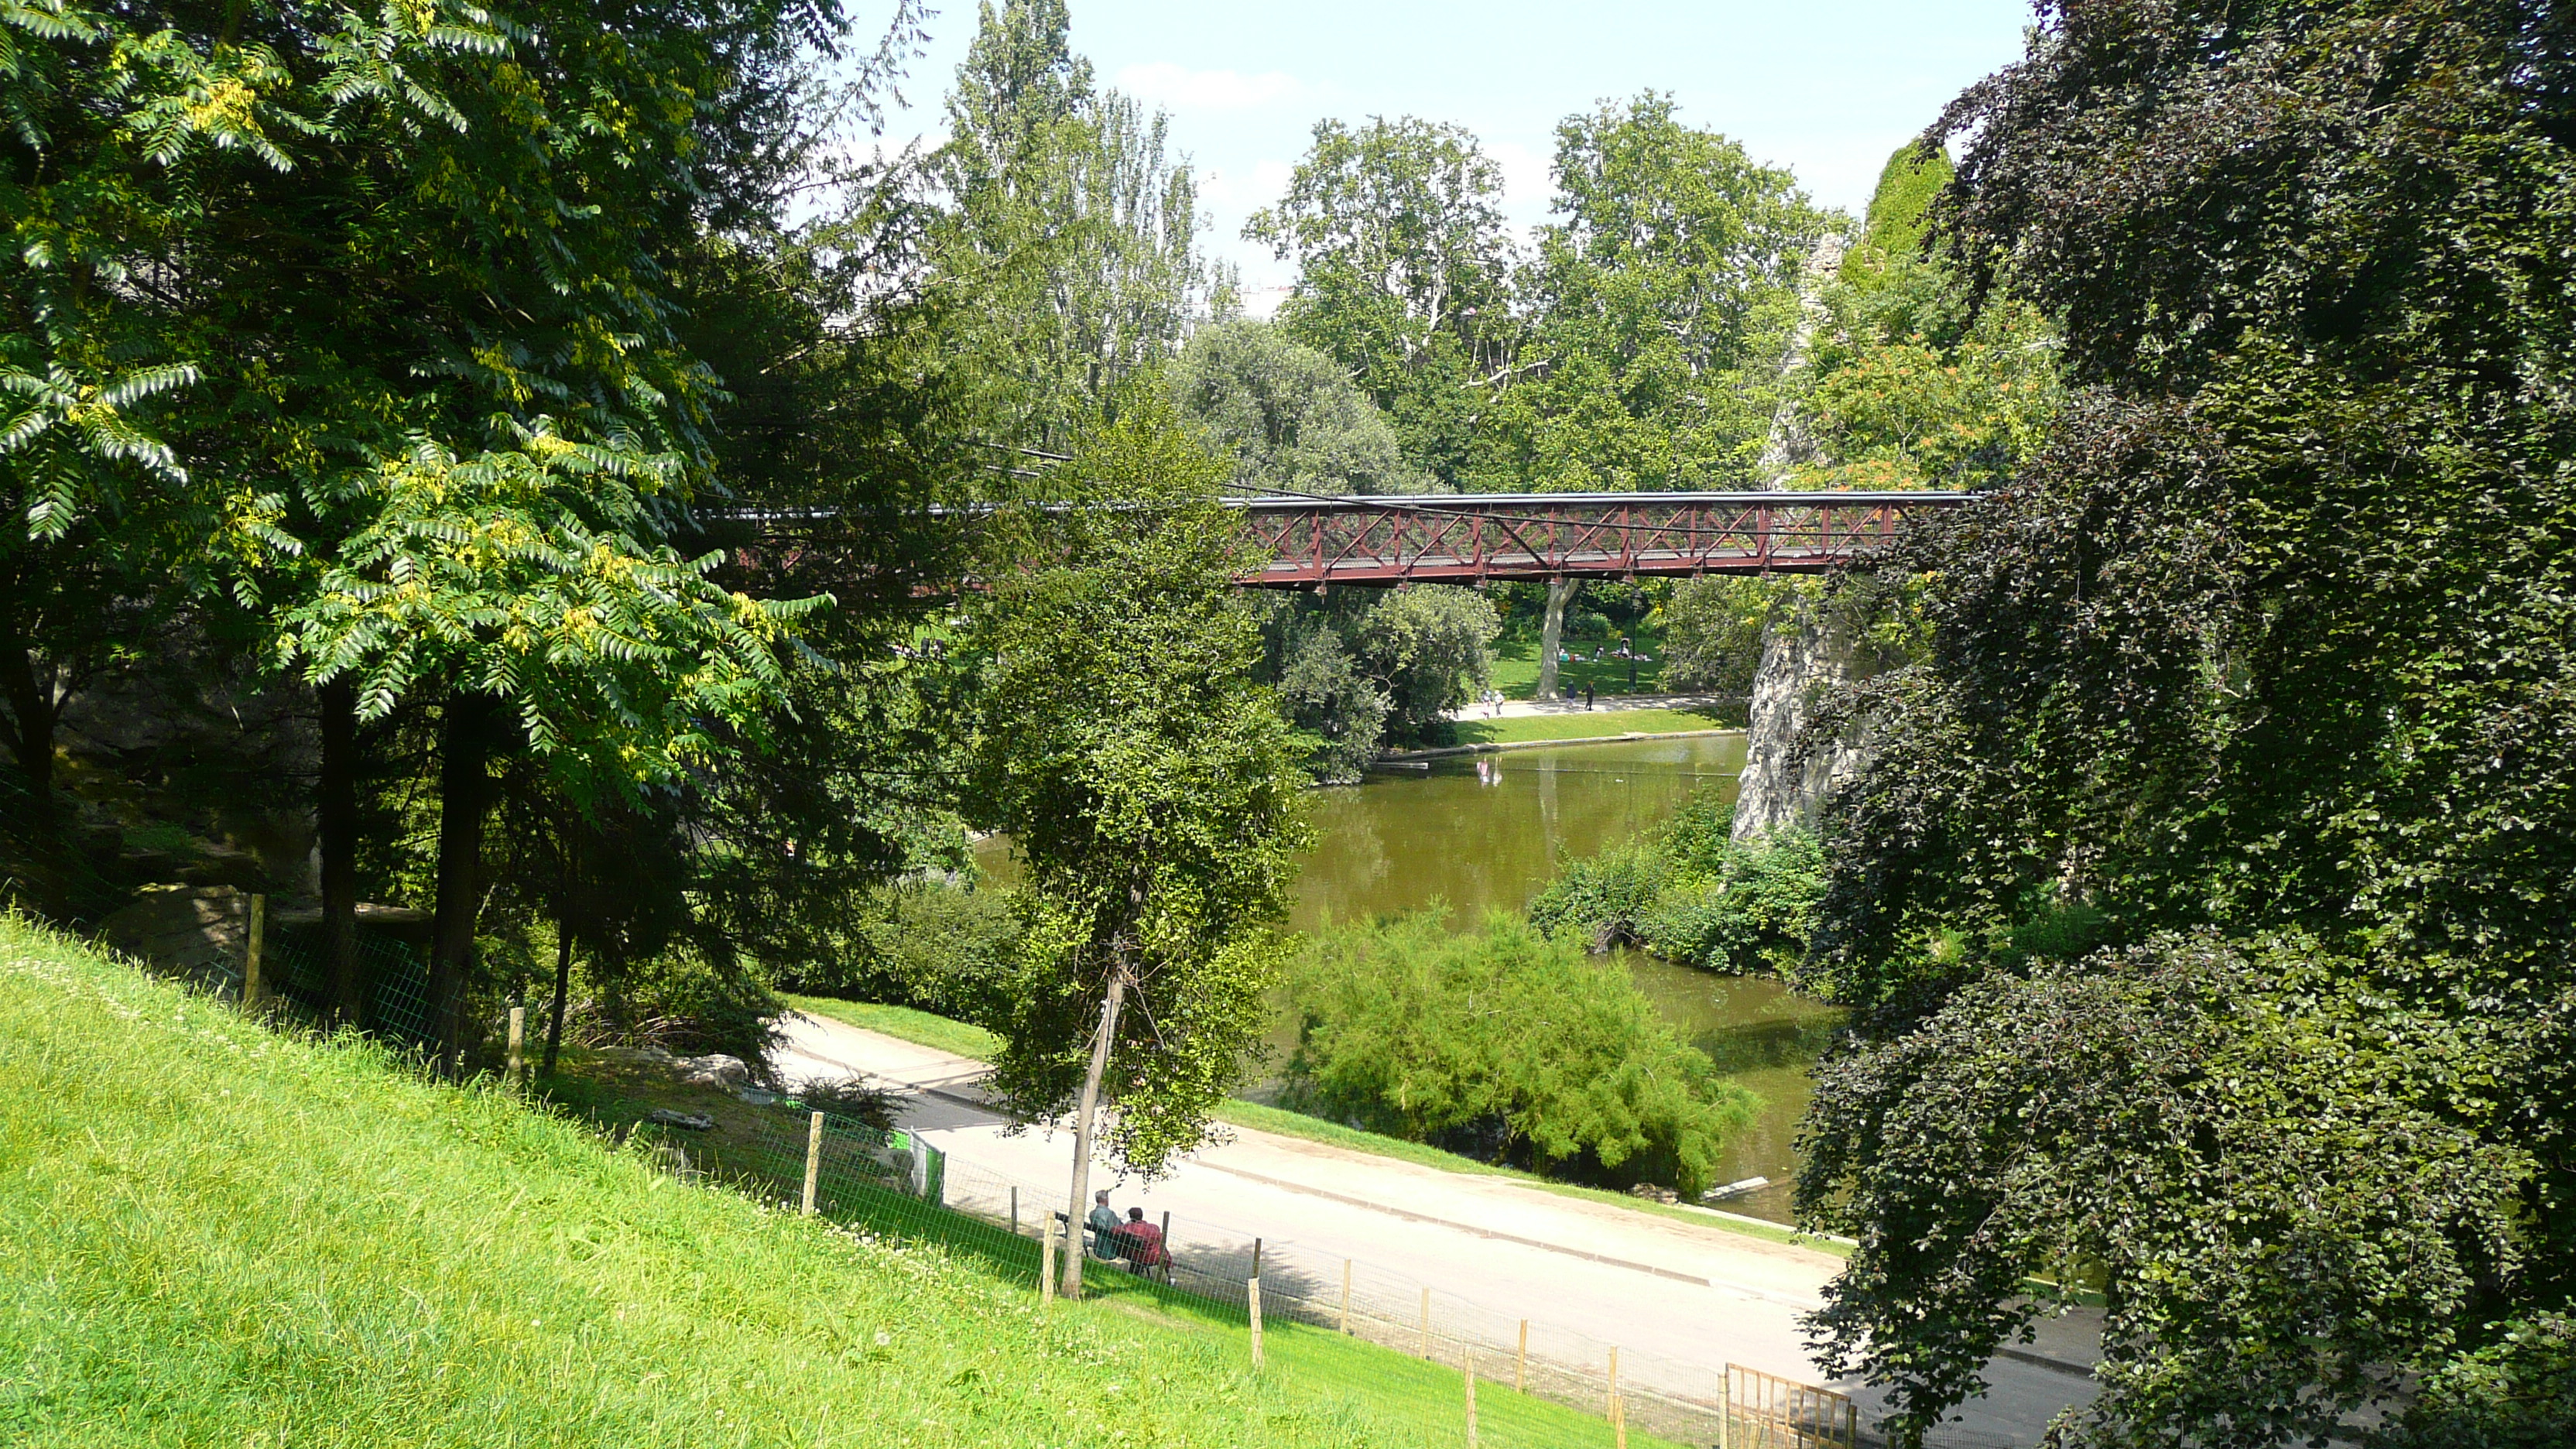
[[336, 810], [34, 705], [464, 796], [1084, 1112], [563, 988], [1551, 634]]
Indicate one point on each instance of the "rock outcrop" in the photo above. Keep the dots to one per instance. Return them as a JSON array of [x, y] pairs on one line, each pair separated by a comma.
[[1784, 784]]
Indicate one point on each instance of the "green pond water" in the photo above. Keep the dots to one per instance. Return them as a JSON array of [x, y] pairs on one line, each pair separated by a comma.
[[1487, 832]]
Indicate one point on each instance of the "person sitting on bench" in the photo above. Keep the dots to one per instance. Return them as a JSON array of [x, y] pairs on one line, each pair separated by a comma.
[[1141, 1244]]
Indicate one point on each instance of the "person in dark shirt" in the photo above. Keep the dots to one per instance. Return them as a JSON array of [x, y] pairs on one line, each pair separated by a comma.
[[1104, 1225], [1141, 1244]]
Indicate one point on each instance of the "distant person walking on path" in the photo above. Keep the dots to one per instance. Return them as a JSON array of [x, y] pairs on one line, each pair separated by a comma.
[[1104, 1225], [1143, 1246], [1587, 694]]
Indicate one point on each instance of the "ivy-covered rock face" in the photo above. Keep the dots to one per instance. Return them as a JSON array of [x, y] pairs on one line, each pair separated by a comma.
[[2275, 639]]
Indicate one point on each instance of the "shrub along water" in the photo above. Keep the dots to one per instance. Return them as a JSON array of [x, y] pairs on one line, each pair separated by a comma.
[[1682, 893], [1505, 1044]]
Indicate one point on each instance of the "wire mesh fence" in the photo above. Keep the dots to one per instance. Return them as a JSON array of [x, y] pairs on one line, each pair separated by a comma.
[[392, 981], [1386, 1346]]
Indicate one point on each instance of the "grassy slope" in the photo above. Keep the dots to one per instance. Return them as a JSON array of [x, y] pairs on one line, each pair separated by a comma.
[[210, 1233], [973, 1041]]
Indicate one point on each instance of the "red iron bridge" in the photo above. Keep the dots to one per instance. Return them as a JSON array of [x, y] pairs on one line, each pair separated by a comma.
[[1381, 540], [1469, 537]]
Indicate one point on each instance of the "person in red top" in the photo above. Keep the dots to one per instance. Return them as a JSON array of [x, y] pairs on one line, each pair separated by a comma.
[[1141, 1244]]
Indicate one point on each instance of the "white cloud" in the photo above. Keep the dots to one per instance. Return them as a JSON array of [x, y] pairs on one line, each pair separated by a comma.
[[1263, 184], [1183, 89], [1527, 184]]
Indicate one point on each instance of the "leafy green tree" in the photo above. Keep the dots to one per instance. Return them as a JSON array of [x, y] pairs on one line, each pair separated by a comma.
[[1068, 233], [1430, 647], [1644, 304], [455, 469], [1403, 275], [1506, 1042], [1713, 633], [1335, 705], [1149, 786], [1289, 416], [2250, 687], [1908, 385]]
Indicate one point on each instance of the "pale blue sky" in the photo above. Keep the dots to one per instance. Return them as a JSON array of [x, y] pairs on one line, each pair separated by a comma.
[[1826, 90]]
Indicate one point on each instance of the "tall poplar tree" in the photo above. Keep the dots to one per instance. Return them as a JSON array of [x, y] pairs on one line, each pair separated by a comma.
[[1068, 236]]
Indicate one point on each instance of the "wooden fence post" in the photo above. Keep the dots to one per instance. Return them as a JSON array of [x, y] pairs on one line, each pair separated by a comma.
[[1471, 1397], [516, 1073], [1346, 1295], [1046, 1263], [1520, 1361], [1426, 1323], [1726, 1409], [1618, 1420], [813, 1159], [1015, 1209], [1252, 1295], [255, 991], [1256, 1257]]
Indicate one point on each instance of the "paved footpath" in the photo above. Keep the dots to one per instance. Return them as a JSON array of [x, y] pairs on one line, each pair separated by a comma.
[[1680, 1300]]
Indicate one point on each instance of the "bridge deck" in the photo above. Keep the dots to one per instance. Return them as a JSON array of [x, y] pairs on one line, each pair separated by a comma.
[[1467, 537], [1379, 540]]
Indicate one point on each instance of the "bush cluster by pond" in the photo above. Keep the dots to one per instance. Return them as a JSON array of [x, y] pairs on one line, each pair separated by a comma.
[[1683, 893], [1505, 1044]]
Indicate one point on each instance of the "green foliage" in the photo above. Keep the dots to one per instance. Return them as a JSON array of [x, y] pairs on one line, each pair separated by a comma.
[[495, 353], [2272, 639], [1287, 413], [479, 573], [1684, 893], [1910, 383], [1643, 304], [1430, 647], [1339, 711], [943, 949], [1069, 238], [1147, 783], [1899, 216], [2080, 1120], [1366, 667], [1508, 1039], [1713, 632], [2518, 1392], [1403, 274]]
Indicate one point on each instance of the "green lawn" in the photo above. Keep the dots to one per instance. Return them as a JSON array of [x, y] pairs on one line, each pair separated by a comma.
[[973, 1041], [211, 1233], [1589, 724], [1516, 667]]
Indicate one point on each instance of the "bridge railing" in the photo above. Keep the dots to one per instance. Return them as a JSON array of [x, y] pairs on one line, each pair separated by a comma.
[[1451, 538], [1473, 537]]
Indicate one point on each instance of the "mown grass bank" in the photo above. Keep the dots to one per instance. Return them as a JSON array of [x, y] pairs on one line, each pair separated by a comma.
[[214, 1234]]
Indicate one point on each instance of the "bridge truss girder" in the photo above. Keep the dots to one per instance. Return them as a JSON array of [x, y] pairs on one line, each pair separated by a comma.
[[1471, 537]]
